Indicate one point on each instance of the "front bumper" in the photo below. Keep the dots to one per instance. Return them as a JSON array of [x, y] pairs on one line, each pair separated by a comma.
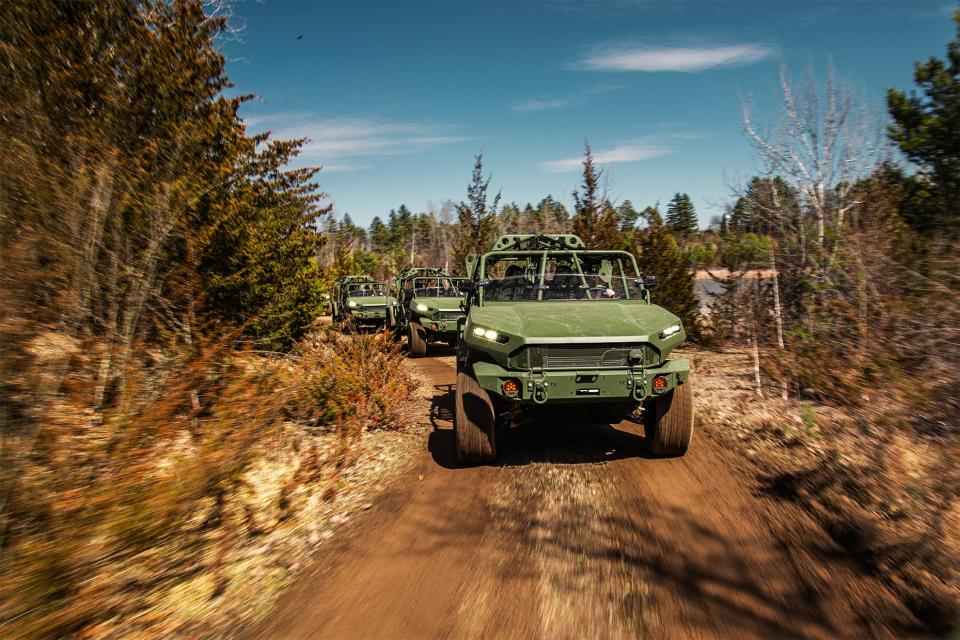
[[440, 330], [370, 316], [582, 386]]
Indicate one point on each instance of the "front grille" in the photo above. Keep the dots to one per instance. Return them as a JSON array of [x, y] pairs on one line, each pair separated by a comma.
[[581, 356], [450, 315], [577, 357]]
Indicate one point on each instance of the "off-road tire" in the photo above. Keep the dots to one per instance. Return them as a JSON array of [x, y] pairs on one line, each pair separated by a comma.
[[416, 342], [349, 326], [391, 322], [668, 422], [474, 422]]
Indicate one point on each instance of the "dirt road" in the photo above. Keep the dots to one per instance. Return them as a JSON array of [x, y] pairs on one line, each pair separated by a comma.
[[577, 533]]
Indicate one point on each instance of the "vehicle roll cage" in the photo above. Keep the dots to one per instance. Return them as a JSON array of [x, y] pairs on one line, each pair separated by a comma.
[[625, 259]]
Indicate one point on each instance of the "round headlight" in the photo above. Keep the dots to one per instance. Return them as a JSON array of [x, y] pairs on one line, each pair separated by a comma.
[[352, 303], [490, 334], [478, 331], [669, 331], [422, 307]]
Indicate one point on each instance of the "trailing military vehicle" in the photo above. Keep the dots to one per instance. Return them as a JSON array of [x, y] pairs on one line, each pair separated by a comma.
[[428, 307], [359, 301], [555, 331]]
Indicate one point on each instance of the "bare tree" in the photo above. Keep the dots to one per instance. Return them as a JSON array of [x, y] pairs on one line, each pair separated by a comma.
[[820, 142]]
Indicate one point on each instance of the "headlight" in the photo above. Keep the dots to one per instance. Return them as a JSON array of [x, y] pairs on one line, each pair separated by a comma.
[[422, 307], [352, 303], [669, 331], [488, 334]]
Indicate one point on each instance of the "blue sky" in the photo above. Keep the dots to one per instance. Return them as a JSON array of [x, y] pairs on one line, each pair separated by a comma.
[[397, 97]]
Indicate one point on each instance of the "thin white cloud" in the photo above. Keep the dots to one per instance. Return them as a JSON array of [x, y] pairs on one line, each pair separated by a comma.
[[341, 167], [618, 154], [663, 58], [541, 105], [332, 140]]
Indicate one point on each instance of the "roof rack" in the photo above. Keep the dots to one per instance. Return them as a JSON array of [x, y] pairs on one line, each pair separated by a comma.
[[528, 242], [345, 279]]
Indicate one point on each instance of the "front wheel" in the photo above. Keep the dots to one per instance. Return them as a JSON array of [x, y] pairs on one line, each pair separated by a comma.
[[668, 422], [416, 341], [349, 325], [475, 422]]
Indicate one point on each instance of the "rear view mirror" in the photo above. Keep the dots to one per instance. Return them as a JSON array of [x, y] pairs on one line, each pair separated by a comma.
[[649, 282], [467, 286]]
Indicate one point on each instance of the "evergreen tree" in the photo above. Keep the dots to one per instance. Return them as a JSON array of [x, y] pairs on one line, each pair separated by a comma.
[[681, 216], [587, 201], [552, 216], [259, 270], [660, 256], [628, 216], [927, 130], [767, 206], [379, 235], [607, 235], [476, 218]]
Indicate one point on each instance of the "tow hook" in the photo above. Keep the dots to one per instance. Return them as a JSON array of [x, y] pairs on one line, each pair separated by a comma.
[[539, 392], [638, 387]]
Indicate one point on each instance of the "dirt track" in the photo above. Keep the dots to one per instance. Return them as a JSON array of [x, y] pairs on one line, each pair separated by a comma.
[[576, 533]]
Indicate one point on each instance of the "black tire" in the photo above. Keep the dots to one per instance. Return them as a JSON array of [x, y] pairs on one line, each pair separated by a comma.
[[668, 422], [475, 422], [349, 326], [416, 341], [391, 322]]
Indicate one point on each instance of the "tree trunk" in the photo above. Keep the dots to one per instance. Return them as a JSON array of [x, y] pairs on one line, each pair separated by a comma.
[[776, 313], [756, 360]]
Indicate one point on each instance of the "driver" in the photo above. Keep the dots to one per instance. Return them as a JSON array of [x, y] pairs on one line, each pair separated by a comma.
[[597, 281]]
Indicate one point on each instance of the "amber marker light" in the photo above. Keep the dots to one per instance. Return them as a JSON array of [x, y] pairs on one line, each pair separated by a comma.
[[511, 388], [660, 383]]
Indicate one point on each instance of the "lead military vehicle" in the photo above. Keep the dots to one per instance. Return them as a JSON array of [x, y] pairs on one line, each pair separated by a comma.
[[359, 301], [553, 326], [428, 307]]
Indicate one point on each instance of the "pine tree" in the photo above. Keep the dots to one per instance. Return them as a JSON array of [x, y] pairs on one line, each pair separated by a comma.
[[379, 235], [681, 216], [552, 216], [660, 256], [587, 201], [628, 216], [926, 130], [476, 218], [607, 234]]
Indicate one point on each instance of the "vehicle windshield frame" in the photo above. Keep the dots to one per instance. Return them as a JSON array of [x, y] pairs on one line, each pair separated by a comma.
[[354, 292], [621, 260], [418, 292]]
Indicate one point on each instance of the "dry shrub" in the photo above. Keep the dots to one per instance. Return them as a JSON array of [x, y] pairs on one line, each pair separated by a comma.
[[356, 381], [886, 493], [110, 511]]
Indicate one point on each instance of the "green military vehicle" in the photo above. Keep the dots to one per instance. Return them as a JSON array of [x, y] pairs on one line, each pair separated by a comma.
[[557, 331], [428, 307], [359, 301]]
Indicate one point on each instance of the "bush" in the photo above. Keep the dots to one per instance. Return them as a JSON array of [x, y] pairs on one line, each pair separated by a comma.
[[108, 511]]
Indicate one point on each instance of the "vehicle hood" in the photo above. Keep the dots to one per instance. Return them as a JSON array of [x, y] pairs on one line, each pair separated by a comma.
[[579, 319], [442, 304], [367, 301]]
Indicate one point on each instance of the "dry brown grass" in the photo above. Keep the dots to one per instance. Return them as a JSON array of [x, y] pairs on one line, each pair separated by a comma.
[[887, 494], [182, 505]]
